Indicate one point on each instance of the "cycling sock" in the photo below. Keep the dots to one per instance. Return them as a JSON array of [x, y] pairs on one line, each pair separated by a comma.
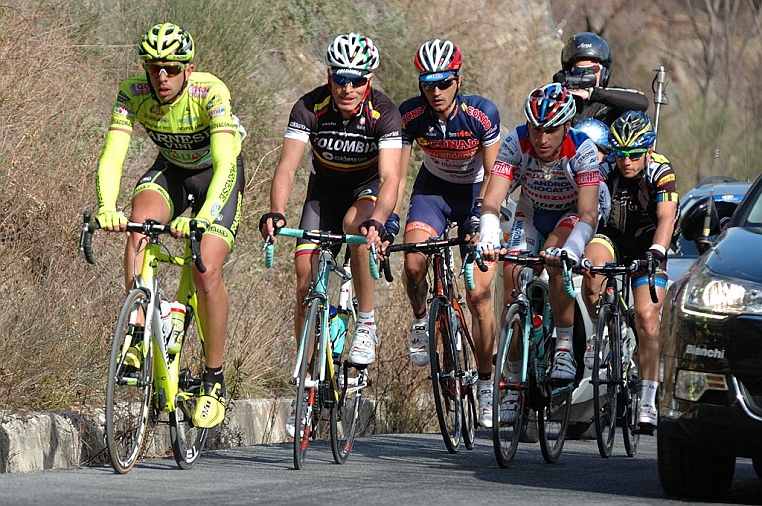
[[420, 317], [648, 392], [564, 341], [367, 319], [213, 374]]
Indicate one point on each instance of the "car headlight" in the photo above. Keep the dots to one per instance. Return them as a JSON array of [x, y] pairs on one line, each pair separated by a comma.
[[712, 296]]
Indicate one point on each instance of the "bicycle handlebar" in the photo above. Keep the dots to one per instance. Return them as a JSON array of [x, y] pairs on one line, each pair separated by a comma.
[[526, 259], [150, 228], [323, 237], [433, 245], [612, 268]]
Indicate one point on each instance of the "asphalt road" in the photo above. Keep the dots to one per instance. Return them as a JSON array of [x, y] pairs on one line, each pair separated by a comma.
[[390, 469]]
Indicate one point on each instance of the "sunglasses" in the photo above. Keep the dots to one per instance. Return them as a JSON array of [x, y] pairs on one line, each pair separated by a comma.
[[442, 85], [170, 69], [586, 70], [633, 154], [356, 82]]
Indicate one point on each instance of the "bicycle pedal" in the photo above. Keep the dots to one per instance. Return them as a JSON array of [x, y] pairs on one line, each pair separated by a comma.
[[644, 431]]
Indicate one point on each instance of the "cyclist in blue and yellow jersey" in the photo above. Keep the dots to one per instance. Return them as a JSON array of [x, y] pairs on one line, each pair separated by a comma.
[[460, 137], [354, 133], [643, 215], [557, 169], [586, 59], [188, 116]]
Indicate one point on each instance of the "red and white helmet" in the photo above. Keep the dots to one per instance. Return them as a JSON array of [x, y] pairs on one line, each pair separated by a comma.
[[437, 56]]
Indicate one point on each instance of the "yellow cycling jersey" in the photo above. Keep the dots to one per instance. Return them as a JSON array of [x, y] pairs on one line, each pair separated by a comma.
[[185, 132]]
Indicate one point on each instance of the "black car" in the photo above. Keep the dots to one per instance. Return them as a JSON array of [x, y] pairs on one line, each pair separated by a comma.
[[710, 411]]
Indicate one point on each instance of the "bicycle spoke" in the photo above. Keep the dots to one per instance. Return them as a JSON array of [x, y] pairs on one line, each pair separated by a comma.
[[553, 416], [444, 378], [509, 400], [345, 411], [604, 379], [306, 406]]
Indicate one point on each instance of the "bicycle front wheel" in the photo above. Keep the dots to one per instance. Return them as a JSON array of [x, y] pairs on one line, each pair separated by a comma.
[[128, 389], [553, 416], [629, 398], [188, 440], [468, 374], [345, 409], [445, 380], [509, 399], [604, 379], [307, 407]]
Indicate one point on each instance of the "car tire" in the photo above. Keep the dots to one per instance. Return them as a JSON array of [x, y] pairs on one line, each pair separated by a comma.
[[757, 463], [693, 471]]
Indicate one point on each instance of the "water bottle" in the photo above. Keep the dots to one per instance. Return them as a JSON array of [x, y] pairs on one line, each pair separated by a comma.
[[338, 324], [166, 320], [537, 335], [175, 340]]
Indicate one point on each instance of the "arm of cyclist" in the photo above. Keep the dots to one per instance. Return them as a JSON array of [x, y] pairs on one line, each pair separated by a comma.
[[280, 188], [392, 224], [388, 190], [494, 191], [109, 173], [665, 215], [489, 155]]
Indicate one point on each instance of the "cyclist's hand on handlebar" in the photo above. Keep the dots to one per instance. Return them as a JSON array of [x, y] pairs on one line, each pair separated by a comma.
[[180, 226], [392, 227], [472, 225], [112, 220], [374, 231], [657, 255], [553, 257], [269, 222], [488, 243]]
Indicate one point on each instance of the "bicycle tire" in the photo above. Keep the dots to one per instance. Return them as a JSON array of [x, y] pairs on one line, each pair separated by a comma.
[[445, 381], [605, 379], [507, 424], [186, 439], [630, 399], [306, 395], [469, 375], [128, 390], [345, 411], [553, 415]]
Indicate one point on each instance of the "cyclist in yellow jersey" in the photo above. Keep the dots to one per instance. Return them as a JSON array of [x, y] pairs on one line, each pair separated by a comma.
[[188, 116]]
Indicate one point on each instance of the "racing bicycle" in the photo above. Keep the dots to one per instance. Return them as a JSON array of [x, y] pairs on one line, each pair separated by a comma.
[[166, 385]]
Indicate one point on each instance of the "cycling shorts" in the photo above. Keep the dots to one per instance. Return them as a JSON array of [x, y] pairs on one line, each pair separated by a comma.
[[325, 207], [183, 188], [434, 201], [640, 278], [532, 226]]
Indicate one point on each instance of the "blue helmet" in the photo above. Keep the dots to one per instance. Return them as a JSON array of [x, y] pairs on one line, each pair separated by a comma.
[[597, 130], [549, 106], [632, 130]]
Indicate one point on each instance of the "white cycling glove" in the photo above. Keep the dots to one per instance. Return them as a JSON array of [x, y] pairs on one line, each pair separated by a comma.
[[489, 232], [580, 235]]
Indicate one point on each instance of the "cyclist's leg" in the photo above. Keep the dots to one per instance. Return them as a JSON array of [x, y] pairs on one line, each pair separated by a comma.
[[364, 342], [647, 320], [599, 251]]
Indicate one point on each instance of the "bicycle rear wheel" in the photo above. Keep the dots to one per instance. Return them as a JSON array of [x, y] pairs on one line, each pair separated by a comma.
[[468, 376], [509, 400], [345, 411], [128, 389], [306, 414], [445, 381], [553, 416], [604, 378], [188, 440]]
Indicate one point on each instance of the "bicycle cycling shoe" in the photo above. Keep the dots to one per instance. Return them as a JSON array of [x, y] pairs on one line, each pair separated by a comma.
[[210, 409]]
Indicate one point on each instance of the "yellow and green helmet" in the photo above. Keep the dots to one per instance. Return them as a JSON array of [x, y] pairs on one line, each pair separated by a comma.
[[166, 41]]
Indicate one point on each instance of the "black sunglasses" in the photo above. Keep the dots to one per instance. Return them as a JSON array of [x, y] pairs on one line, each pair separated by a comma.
[[444, 84]]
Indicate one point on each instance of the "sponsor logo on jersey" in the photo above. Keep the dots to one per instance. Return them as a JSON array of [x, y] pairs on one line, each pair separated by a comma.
[[122, 98], [411, 115], [187, 141], [122, 111], [666, 179], [480, 116], [590, 178], [156, 109], [455, 144], [198, 91], [217, 112], [140, 89], [503, 169], [699, 351], [347, 146]]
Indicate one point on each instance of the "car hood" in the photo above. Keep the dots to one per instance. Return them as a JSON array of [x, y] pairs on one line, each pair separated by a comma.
[[733, 254]]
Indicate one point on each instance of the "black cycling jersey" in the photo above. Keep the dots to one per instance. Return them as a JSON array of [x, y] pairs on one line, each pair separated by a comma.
[[607, 104]]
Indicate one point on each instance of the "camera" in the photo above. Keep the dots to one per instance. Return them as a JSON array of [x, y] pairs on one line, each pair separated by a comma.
[[574, 82]]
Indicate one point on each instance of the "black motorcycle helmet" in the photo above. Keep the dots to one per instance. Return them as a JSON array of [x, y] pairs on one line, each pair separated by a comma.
[[588, 46]]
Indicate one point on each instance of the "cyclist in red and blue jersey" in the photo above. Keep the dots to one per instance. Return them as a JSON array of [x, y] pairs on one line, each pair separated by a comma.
[[557, 169], [354, 132], [644, 211], [188, 116], [460, 137]]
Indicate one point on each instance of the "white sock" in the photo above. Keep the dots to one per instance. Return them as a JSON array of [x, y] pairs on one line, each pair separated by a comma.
[[564, 340], [648, 392]]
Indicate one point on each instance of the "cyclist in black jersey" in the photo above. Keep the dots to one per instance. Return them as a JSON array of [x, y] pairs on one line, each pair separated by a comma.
[[586, 60], [188, 115], [354, 132], [644, 212]]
